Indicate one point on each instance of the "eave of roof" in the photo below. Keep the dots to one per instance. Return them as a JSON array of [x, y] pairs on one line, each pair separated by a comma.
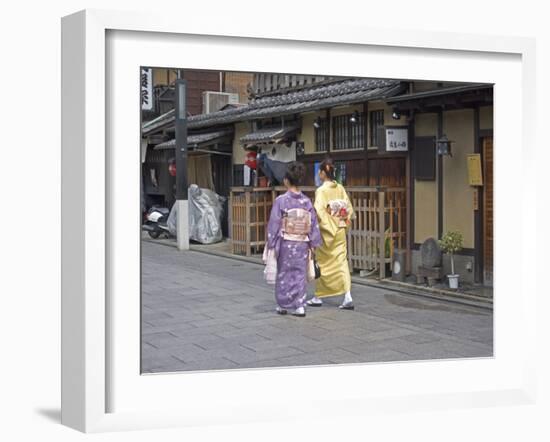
[[197, 140], [314, 98], [267, 135], [439, 92]]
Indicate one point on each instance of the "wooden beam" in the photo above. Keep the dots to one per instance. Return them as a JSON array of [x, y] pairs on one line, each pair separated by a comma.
[[410, 196], [458, 101], [329, 123], [366, 139], [439, 177], [478, 213], [382, 234]]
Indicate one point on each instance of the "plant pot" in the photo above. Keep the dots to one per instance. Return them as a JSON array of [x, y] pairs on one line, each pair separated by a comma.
[[262, 181], [453, 281]]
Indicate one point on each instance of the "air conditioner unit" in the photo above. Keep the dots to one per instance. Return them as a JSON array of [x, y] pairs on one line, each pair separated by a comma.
[[213, 101]]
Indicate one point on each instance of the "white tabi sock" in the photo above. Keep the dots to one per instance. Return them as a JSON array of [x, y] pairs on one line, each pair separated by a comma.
[[347, 298], [315, 300]]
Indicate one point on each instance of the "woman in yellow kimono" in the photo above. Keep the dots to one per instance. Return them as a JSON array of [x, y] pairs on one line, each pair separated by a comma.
[[334, 211]]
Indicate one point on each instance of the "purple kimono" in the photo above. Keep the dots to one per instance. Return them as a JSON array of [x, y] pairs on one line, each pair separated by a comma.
[[292, 256]]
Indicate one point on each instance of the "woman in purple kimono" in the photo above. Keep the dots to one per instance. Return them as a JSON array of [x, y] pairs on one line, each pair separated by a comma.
[[292, 233]]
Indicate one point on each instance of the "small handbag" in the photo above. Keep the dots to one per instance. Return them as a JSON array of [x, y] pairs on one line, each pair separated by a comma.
[[313, 269], [270, 270]]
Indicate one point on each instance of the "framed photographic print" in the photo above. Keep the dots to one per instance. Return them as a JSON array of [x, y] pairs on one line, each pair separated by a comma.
[[202, 187]]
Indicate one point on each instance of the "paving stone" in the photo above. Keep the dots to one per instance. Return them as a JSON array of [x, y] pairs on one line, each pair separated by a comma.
[[386, 334], [299, 342], [158, 362], [385, 355], [233, 352], [304, 359], [277, 353], [207, 313], [207, 364], [266, 363], [331, 342], [421, 338]]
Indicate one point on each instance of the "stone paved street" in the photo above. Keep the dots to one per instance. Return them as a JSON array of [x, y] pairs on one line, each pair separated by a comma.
[[203, 312]]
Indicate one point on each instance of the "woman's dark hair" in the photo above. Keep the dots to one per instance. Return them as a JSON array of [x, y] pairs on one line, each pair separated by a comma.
[[295, 173], [327, 166]]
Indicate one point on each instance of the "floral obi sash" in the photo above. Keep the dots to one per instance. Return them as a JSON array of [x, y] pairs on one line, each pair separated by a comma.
[[296, 225], [339, 210]]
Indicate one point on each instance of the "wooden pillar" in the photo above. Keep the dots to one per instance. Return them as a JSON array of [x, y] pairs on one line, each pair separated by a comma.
[[382, 233], [478, 211], [329, 125], [230, 219], [247, 221], [410, 197], [366, 139], [439, 177]]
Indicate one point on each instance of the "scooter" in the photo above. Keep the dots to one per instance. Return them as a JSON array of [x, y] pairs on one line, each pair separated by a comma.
[[156, 222]]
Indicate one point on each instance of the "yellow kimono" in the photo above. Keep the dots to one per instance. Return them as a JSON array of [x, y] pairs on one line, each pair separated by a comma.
[[332, 255]]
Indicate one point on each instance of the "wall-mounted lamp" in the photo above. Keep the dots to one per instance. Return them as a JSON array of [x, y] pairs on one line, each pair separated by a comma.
[[396, 115], [317, 123], [444, 146], [354, 118]]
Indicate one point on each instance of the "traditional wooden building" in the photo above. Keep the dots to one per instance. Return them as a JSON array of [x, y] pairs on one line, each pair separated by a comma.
[[444, 195], [383, 136], [207, 91]]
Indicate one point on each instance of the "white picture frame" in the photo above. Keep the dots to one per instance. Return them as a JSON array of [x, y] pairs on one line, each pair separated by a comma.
[[95, 364]]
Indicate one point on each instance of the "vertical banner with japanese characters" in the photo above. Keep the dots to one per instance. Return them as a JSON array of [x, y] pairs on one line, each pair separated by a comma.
[[146, 88]]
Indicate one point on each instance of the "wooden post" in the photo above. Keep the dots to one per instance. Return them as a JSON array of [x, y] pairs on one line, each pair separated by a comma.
[[439, 178], [409, 185], [329, 129], [382, 233], [350, 247], [247, 221], [230, 219], [366, 140]]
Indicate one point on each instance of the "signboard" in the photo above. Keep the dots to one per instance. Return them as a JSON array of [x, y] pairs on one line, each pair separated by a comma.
[[397, 139], [475, 176], [146, 89]]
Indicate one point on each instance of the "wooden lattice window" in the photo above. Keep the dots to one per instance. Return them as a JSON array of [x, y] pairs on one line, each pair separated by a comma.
[[376, 121], [322, 135], [348, 134]]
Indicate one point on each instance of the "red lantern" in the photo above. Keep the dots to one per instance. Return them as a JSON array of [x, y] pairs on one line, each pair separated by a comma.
[[250, 159], [172, 168]]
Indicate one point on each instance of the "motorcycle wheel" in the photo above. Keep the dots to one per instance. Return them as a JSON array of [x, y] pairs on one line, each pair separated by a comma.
[[154, 235]]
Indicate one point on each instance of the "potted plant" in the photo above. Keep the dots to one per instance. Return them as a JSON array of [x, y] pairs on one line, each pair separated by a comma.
[[451, 243]]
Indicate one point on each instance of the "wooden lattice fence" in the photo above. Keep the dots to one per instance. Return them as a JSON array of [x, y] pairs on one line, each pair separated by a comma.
[[378, 226]]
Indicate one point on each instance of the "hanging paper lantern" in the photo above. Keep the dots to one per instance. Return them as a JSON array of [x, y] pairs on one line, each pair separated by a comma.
[[172, 168], [250, 159]]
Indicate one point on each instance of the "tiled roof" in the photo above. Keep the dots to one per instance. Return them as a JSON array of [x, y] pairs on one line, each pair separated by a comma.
[[308, 99], [269, 134], [196, 139]]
